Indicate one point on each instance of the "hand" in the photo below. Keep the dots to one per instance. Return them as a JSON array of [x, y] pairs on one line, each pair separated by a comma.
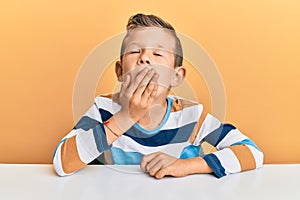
[[160, 164], [137, 94]]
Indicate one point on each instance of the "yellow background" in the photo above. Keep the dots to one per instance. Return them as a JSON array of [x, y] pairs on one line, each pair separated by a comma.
[[255, 44]]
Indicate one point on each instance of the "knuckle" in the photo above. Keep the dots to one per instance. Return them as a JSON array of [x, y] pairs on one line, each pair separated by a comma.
[[126, 94], [150, 87], [152, 172], [129, 88], [140, 87], [134, 102]]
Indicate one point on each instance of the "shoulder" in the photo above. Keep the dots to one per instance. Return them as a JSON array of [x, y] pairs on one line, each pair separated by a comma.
[[108, 97]]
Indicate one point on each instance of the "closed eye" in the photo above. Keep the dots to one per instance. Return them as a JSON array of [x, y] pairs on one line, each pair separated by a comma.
[[157, 54], [134, 51]]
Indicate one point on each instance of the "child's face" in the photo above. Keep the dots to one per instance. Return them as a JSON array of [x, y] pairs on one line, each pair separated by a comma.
[[149, 47]]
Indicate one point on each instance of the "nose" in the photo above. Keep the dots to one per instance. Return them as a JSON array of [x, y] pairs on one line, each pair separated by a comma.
[[144, 58]]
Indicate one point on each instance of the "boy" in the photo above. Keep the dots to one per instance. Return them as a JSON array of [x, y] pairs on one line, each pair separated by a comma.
[[144, 125]]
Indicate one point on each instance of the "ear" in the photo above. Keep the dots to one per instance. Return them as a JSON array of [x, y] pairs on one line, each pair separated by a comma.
[[119, 71], [178, 76]]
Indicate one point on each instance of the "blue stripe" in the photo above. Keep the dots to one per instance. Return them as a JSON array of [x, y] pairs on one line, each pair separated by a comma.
[[190, 151], [62, 141], [152, 138], [165, 119], [156, 137], [247, 142], [86, 123], [105, 115], [121, 157], [215, 137], [100, 138], [164, 137], [215, 165]]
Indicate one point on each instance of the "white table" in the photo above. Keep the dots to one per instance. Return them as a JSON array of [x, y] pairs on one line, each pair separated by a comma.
[[39, 181]]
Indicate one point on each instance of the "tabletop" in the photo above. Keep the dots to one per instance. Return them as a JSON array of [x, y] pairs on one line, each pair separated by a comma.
[[39, 181]]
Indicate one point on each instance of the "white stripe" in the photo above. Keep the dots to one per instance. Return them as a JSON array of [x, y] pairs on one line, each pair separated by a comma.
[[71, 134], [107, 104], [93, 113], [129, 145], [232, 137], [209, 124], [57, 162], [176, 119], [57, 157], [258, 156], [229, 161], [86, 146], [183, 117]]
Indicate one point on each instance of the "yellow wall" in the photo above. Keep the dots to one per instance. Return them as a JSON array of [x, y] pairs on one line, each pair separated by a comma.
[[255, 45]]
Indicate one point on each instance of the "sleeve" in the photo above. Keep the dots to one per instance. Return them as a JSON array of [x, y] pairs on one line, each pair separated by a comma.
[[84, 143], [235, 151]]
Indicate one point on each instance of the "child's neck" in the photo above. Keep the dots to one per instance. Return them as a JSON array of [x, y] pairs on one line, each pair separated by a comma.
[[155, 116]]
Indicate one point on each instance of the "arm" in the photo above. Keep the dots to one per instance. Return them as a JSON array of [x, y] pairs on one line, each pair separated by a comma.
[[94, 134], [236, 153], [160, 164], [85, 142]]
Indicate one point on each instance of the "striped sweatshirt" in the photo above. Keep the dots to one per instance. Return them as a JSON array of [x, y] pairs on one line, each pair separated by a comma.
[[183, 130]]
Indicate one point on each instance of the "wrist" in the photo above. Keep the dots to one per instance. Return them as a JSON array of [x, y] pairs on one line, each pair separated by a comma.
[[123, 121], [116, 126], [196, 165], [126, 115]]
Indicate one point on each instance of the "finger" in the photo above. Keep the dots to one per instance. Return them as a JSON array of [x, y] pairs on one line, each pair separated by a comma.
[[144, 83], [156, 165], [153, 162], [125, 85], [161, 173], [134, 85], [150, 91], [155, 78], [153, 94], [151, 85], [146, 159], [147, 78], [146, 93]]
